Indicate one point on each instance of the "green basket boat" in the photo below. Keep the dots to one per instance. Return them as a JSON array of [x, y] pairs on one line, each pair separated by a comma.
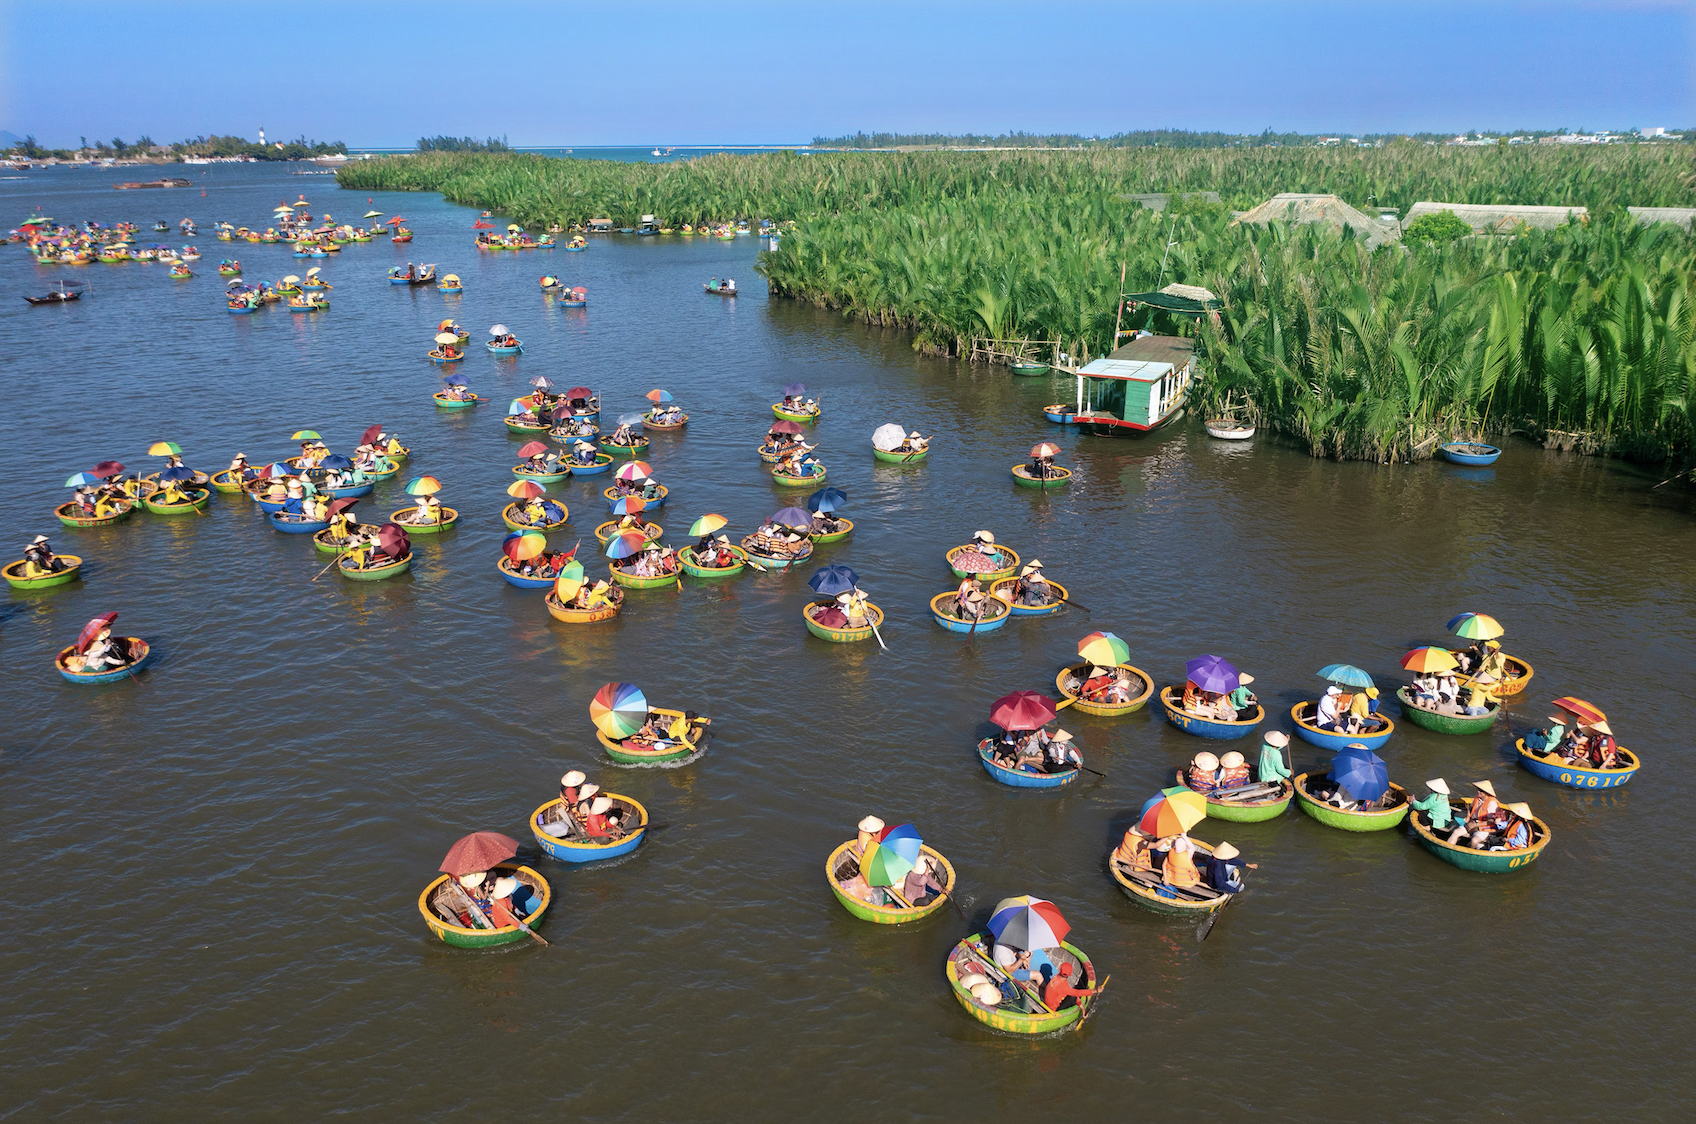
[[1139, 886], [73, 570], [1027, 367], [900, 458], [1446, 723], [443, 402], [448, 517], [634, 753], [64, 514], [624, 450], [686, 559], [990, 576], [325, 544], [789, 415], [524, 473], [1023, 478], [375, 573], [629, 581], [843, 635], [1269, 807], [843, 865], [1330, 815], [836, 536], [440, 894], [1479, 862], [971, 955], [199, 499], [806, 480]]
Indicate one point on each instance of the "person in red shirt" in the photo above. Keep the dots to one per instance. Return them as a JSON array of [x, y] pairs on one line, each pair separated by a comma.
[[599, 825], [1059, 989]]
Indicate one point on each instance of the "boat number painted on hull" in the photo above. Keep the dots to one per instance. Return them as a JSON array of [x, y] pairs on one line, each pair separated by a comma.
[[1590, 782], [1521, 861]]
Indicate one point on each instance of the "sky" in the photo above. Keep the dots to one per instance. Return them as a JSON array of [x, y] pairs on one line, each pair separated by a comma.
[[552, 73]]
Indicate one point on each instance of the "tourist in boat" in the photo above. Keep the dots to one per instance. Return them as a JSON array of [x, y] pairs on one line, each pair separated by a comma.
[[1059, 755], [1273, 770], [1178, 871], [1224, 873], [568, 786], [1436, 806], [920, 887], [1203, 773], [1233, 770], [534, 512], [1363, 711], [1478, 695], [1032, 588], [869, 827], [1547, 741], [1023, 965], [1483, 813], [1042, 468], [1329, 716], [239, 470], [1106, 686], [456, 392], [601, 827], [1516, 835], [622, 436], [1136, 850], [1425, 690], [983, 545], [969, 600], [583, 453], [39, 559], [824, 523]]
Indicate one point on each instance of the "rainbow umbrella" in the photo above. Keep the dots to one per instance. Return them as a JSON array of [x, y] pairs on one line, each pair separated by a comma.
[[1345, 673], [635, 470], [1028, 923], [1173, 812], [629, 505], [1429, 659], [1104, 649], [892, 855], [619, 709], [305, 435], [658, 396], [1582, 710], [707, 524], [164, 449], [1022, 710], [82, 479], [517, 406], [1476, 626], [525, 489], [626, 544], [423, 486], [520, 546]]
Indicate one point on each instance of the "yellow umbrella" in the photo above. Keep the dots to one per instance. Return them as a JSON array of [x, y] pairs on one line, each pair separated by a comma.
[[513, 227], [565, 588], [290, 279], [446, 337]]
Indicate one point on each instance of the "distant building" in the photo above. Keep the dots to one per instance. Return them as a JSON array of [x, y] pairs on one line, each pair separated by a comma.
[[1326, 210], [1494, 218], [1681, 216]]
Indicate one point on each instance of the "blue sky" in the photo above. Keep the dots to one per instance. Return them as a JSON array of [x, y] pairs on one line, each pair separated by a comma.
[[376, 73]]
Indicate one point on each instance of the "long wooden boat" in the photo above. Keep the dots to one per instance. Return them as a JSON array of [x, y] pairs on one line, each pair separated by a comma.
[[895, 458], [613, 497], [15, 574], [1552, 768], [1171, 701], [1308, 731], [631, 581], [686, 559], [607, 446], [1440, 723], [1379, 819], [1470, 858], [1002, 589], [1190, 901], [1022, 477], [510, 510], [444, 521], [226, 482], [843, 865], [561, 612], [649, 423], [1518, 677], [603, 462], [971, 956], [1070, 680], [578, 847], [842, 635], [198, 500], [140, 650], [834, 536], [523, 581], [777, 561], [1472, 453], [438, 901], [790, 415], [443, 402], [1007, 571], [291, 524], [374, 573], [523, 472], [64, 514], [944, 607], [1267, 807], [650, 531], [627, 752], [1060, 413], [1019, 778]]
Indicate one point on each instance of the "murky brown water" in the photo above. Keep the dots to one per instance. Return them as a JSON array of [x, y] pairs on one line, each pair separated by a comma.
[[211, 908]]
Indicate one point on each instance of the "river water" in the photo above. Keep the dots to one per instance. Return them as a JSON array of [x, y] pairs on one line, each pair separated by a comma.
[[214, 870]]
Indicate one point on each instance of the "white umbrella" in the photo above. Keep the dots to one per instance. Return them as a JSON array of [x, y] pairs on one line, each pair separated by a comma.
[[498, 330], [888, 437], [446, 337], [314, 271], [371, 214], [290, 279]]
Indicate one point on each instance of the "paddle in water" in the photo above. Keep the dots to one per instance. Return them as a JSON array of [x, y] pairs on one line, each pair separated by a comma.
[[1206, 925]]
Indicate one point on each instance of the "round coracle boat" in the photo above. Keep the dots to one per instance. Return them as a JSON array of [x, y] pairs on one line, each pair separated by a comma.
[[444, 402], [574, 844], [446, 517], [649, 422], [328, 542], [510, 572], [1070, 682], [510, 513], [1021, 778], [1490, 860], [1228, 429], [226, 482], [1443, 722], [631, 581], [389, 568], [1554, 768], [1171, 701], [437, 355], [443, 899], [1007, 571], [613, 497], [843, 866], [1025, 1013], [1474, 454], [605, 531], [838, 535], [617, 450], [945, 608], [629, 751], [1027, 367], [197, 500], [525, 472], [1302, 715], [687, 559], [1058, 477], [1060, 413], [603, 462], [1149, 890], [140, 653], [845, 634], [1377, 819], [803, 480], [65, 513], [1518, 676], [770, 454], [795, 416], [895, 456], [1244, 803], [17, 574], [291, 524], [524, 423], [561, 612], [776, 561], [1003, 589]]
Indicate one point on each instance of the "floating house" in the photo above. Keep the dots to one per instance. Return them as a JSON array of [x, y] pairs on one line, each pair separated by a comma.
[[1139, 387]]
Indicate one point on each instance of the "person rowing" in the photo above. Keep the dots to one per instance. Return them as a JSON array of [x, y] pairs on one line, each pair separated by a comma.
[[915, 443], [1109, 686], [714, 554], [623, 435], [969, 600], [343, 526], [824, 523], [1272, 767], [853, 606], [1224, 874], [582, 453], [240, 470], [39, 559], [1032, 588], [1436, 806], [104, 652]]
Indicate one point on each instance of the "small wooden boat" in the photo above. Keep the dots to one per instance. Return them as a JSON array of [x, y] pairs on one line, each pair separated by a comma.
[[1027, 367], [1519, 674], [628, 752], [1172, 702], [1002, 589], [835, 536], [140, 653], [291, 524], [804, 480], [370, 573], [1246, 803], [64, 513], [603, 462], [226, 482], [631, 581], [327, 542], [443, 899], [523, 423], [791, 415], [198, 499], [510, 349], [648, 422], [911, 457], [1022, 477], [437, 355], [640, 446], [719, 291], [446, 518], [613, 497], [1021, 778], [1228, 429], [1302, 714], [843, 866], [15, 574], [575, 846], [686, 558], [510, 572], [1006, 571], [1377, 819], [1026, 1015], [1470, 858], [561, 612], [524, 472], [650, 531], [1552, 768], [1441, 723], [1060, 414], [844, 635], [945, 608], [1070, 682], [510, 511], [1150, 891], [443, 402], [1473, 453]]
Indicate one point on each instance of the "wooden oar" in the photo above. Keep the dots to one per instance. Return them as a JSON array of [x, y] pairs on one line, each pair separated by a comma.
[[1207, 923], [960, 912], [336, 561], [1067, 600], [1028, 989], [478, 911], [876, 633], [1087, 769]]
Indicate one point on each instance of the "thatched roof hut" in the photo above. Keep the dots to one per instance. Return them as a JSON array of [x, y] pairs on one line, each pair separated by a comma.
[[1327, 210], [1500, 218], [1159, 200]]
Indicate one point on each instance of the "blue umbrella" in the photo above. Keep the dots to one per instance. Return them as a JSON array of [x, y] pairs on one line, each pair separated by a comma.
[[1346, 674], [834, 579], [827, 499], [515, 407], [1361, 773], [634, 421], [792, 517], [81, 479], [454, 380], [177, 474], [795, 388], [336, 461]]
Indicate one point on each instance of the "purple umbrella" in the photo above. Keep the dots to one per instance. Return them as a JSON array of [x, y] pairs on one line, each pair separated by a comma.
[[1213, 673], [795, 388]]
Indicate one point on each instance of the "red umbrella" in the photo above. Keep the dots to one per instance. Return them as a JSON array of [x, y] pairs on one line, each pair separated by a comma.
[[396, 221], [481, 225], [478, 851], [92, 629], [106, 468], [831, 617], [532, 448], [392, 540], [339, 506], [785, 427], [370, 435], [580, 392], [1022, 710], [1586, 713]]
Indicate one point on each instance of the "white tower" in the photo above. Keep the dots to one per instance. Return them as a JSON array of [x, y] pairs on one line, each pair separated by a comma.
[[261, 135]]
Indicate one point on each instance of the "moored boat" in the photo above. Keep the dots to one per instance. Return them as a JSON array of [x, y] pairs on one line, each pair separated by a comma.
[[1378, 819], [443, 898], [1472, 858], [1472, 453], [1021, 778], [686, 558], [845, 634], [1307, 729], [944, 607], [1060, 414], [1552, 768], [1441, 723], [1149, 890], [446, 517], [140, 652], [844, 866], [1027, 367], [16, 574], [628, 752], [1070, 681], [1026, 1014], [1246, 803], [573, 844], [1171, 701], [1058, 477], [65, 514], [1002, 589], [1228, 429]]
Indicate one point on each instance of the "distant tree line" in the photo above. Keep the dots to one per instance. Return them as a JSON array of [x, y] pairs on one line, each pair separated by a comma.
[[1146, 138], [463, 144], [214, 145]]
